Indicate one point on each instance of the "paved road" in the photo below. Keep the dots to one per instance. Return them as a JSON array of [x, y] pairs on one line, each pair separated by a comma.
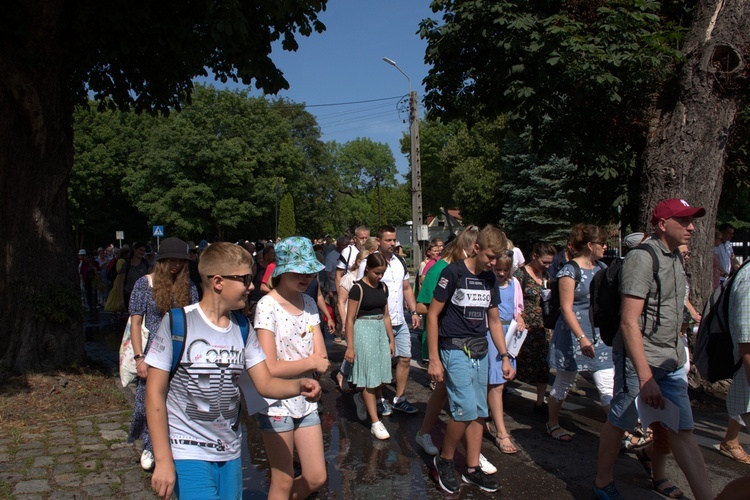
[[87, 457]]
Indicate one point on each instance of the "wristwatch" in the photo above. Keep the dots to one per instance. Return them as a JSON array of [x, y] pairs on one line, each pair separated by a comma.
[[138, 356], [505, 355], [414, 312]]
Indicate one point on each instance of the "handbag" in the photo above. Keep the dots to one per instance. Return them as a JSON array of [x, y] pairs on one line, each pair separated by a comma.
[[128, 371]]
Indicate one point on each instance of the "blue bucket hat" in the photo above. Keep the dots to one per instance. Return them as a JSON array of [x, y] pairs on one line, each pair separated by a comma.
[[295, 255]]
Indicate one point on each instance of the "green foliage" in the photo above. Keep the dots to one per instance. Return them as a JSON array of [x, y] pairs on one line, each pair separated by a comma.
[[212, 168], [733, 206], [473, 160], [145, 54], [578, 79], [287, 224], [538, 199]]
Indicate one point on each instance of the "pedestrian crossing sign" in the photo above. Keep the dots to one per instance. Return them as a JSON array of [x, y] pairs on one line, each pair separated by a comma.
[[158, 230]]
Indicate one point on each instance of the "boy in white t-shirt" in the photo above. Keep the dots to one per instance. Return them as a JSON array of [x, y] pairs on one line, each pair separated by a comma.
[[197, 448]]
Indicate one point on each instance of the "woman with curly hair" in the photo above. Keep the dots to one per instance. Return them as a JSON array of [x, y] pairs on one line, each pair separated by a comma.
[[154, 294]]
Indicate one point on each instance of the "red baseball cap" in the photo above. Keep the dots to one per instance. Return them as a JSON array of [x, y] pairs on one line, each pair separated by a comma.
[[675, 207]]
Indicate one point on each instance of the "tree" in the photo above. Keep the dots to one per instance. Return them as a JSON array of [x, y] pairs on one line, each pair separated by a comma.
[[691, 129], [142, 55], [104, 144], [287, 225], [211, 169], [576, 78]]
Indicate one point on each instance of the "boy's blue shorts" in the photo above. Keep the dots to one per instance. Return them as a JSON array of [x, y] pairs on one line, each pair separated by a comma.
[[202, 480]]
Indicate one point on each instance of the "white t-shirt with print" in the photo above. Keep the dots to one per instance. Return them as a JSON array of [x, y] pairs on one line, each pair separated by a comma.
[[294, 341], [203, 399]]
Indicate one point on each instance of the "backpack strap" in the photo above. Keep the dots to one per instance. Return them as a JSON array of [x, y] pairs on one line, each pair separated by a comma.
[[657, 280], [403, 263], [178, 330], [244, 325]]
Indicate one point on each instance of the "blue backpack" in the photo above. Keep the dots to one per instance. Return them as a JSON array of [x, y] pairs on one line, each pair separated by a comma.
[[178, 328]]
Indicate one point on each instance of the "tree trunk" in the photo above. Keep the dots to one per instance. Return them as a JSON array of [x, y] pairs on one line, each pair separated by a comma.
[[40, 307], [687, 143]]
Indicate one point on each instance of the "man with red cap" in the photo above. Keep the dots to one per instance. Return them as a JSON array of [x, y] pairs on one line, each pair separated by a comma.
[[649, 357]]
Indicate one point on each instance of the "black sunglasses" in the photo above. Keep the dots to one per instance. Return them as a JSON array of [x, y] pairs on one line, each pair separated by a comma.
[[246, 279]]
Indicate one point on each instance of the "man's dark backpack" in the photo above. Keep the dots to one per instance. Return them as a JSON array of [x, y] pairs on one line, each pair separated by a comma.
[[604, 309], [713, 355], [551, 304]]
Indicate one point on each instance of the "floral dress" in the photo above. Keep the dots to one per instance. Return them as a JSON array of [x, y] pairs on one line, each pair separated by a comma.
[[532, 359], [565, 352]]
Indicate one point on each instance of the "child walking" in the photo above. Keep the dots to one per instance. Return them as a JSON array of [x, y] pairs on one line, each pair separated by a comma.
[[193, 418], [288, 326], [369, 340], [510, 308]]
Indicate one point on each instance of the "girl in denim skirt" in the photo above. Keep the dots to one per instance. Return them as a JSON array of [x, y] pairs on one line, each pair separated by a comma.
[[288, 327]]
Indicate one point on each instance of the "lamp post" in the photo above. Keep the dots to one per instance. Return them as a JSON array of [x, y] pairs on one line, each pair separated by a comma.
[[416, 169]]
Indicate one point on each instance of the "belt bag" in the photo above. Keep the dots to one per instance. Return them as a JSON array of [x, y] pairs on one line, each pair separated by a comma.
[[474, 347]]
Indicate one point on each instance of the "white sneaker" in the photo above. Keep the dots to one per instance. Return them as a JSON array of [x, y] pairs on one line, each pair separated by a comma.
[[486, 466], [379, 431], [425, 441], [147, 460], [361, 409]]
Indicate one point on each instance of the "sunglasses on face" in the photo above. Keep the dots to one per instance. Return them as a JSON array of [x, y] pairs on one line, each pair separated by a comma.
[[246, 279]]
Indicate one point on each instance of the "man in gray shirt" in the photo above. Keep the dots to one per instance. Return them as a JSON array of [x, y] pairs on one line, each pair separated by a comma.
[[648, 353]]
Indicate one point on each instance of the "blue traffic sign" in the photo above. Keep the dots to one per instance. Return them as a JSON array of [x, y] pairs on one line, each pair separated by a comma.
[[158, 230]]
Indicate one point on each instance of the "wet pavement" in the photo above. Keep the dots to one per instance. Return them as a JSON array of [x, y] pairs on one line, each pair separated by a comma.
[[87, 456]]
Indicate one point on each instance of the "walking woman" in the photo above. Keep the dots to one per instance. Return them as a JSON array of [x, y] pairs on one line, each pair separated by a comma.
[[115, 302], [532, 363], [288, 326], [576, 345], [153, 295], [369, 340], [134, 269]]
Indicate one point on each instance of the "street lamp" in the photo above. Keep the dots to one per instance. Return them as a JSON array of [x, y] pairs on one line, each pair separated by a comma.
[[416, 169]]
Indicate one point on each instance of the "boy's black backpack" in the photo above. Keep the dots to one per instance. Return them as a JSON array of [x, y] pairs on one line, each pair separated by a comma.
[[713, 355], [604, 309], [551, 303]]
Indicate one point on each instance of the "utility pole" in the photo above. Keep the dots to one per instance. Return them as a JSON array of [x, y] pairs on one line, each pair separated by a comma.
[[416, 171]]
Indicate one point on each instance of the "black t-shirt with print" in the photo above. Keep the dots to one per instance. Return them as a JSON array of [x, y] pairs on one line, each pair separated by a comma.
[[467, 297]]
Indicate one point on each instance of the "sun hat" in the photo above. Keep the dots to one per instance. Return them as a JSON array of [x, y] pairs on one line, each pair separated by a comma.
[[295, 255], [173, 248], [675, 207]]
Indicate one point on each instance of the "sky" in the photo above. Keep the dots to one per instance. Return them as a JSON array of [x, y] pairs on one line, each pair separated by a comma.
[[344, 64]]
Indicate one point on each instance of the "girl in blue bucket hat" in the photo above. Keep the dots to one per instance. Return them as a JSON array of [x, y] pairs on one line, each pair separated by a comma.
[[288, 326]]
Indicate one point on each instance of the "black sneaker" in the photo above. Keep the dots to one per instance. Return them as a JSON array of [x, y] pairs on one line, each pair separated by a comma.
[[447, 477], [479, 478]]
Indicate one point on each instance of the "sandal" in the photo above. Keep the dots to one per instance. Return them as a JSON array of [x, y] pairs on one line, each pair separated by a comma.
[[631, 442], [645, 461], [672, 491], [734, 452], [509, 448], [562, 436]]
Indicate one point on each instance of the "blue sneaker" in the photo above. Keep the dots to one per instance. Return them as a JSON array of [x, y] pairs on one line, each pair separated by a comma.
[[384, 408], [609, 492], [405, 407]]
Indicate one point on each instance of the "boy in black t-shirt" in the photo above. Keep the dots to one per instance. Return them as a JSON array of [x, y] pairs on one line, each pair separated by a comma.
[[464, 304]]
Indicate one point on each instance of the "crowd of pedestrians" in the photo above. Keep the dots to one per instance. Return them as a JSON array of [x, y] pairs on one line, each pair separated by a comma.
[[482, 304]]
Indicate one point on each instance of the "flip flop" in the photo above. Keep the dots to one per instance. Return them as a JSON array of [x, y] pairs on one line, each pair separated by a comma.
[[668, 491], [508, 449], [564, 436], [734, 452]]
